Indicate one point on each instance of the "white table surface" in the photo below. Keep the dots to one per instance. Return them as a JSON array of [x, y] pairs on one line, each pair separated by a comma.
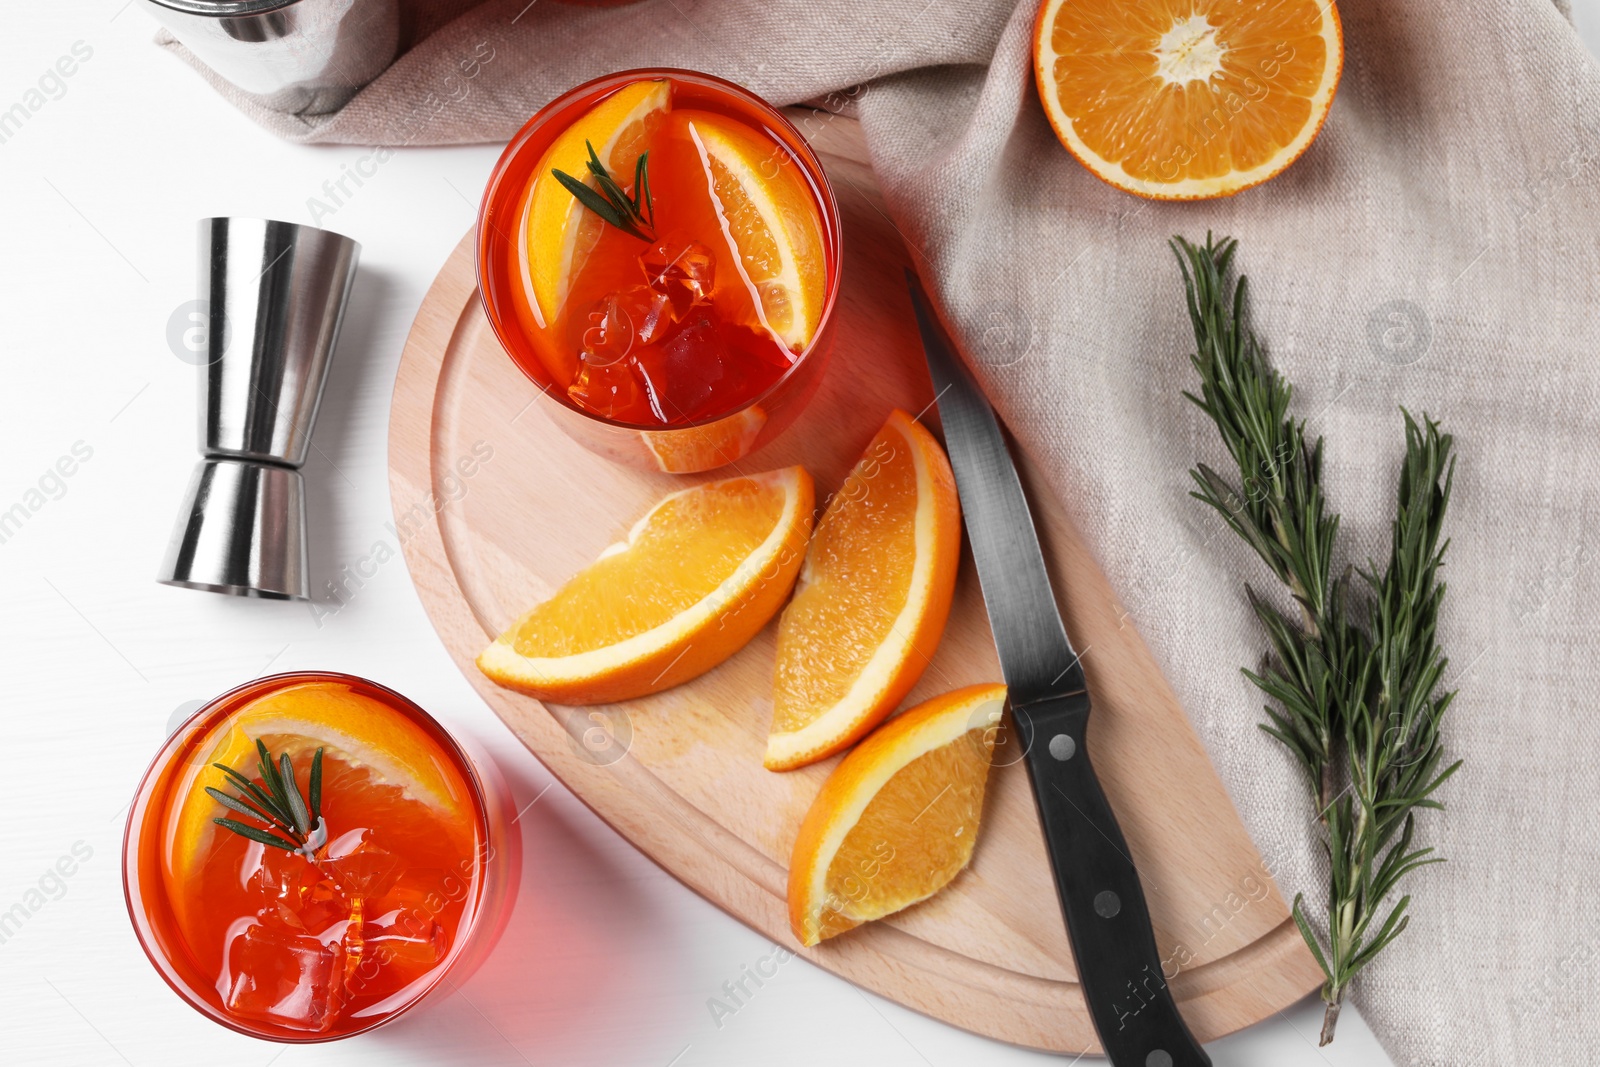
[[609, 960]]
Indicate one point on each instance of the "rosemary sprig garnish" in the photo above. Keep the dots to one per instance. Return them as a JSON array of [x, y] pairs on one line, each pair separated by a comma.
[[276, 803], [610, 201], [1355, 685]]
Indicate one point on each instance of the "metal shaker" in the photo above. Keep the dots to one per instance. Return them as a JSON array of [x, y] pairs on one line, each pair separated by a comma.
[[304, 57], [273, 294]]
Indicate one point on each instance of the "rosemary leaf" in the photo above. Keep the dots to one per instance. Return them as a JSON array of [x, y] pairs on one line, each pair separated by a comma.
[[297, 806], [590, 199], [1305, 931], [253, 792], [255, 835], [239, 806], [314, 790], [269, 778], [608, 185], [641, 188]]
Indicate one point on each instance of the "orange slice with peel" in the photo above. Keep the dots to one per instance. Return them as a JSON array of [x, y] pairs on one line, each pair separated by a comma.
[[366, 744], [557, 231], [688, 449], [1187, 99], [872, 599], [898, 818], [771, 219], [698, 576]]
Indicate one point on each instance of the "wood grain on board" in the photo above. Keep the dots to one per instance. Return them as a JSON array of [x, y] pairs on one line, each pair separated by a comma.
[[679, 774]]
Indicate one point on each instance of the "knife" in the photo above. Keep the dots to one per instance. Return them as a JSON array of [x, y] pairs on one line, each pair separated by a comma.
[[1108, 923]]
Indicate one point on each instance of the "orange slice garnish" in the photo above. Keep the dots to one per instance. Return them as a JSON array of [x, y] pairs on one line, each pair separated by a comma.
[[772, 220], [378, 746], [558, 232]]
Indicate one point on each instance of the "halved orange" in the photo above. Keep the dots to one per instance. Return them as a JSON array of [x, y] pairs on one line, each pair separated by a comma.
[[772, 220], [897, 819], [872, 599], [1187, 99], [698, 576], [557, 232]]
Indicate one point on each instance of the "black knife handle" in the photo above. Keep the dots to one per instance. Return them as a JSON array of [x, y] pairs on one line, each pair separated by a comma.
[[1108, 922]]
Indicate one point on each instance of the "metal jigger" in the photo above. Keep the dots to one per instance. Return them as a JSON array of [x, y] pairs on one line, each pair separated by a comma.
[[272, 294]]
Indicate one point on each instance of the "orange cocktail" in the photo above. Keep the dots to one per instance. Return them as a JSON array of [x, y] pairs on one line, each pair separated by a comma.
[[659, 251], [308, 856]]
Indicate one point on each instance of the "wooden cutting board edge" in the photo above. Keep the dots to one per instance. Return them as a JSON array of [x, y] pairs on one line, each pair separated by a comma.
[[1217, 998]]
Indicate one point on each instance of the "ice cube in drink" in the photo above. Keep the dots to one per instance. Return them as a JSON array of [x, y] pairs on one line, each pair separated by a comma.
[[284, 978]]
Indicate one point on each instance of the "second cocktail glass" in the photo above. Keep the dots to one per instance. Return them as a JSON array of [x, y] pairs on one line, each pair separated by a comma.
[[406, 867]]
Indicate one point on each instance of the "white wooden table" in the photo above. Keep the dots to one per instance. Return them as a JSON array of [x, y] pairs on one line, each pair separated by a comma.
[[608, 960]]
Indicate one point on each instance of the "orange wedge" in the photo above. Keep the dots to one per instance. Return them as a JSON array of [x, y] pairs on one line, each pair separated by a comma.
[[1187, 99], [771, 218], [897, 819], [558, 233], [698, 576], [872, 599]]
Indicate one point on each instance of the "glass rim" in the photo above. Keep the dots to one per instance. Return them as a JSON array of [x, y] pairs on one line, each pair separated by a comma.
[[161, 960], [821, 185]]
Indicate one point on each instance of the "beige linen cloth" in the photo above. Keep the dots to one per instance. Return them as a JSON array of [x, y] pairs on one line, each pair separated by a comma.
[[1437, 247]]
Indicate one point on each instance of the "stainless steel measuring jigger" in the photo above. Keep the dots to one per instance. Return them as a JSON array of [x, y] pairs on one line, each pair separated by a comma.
[[273, 294]]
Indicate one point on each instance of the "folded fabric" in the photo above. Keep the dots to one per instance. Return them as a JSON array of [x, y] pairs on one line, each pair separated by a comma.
[[1438, 247]]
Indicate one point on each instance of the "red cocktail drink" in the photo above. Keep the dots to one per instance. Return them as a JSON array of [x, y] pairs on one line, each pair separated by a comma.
[[658, 251], [311, 853]]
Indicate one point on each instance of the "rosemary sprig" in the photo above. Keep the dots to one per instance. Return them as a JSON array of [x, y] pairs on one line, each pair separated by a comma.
[[292, 823], [610, 201], [1355, 686]]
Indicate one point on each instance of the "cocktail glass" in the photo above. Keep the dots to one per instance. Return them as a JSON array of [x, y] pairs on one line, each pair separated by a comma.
[[679, 438], [412, 877]]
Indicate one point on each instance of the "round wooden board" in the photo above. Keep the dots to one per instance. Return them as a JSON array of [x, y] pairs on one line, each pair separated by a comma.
[[496, 507]]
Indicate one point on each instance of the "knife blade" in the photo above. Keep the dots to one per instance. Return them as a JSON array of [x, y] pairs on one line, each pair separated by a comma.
[[1102, 900]]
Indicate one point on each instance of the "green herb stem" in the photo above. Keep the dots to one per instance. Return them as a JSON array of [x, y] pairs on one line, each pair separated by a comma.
[[290, 822], [633, 214], [1354, 687]]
